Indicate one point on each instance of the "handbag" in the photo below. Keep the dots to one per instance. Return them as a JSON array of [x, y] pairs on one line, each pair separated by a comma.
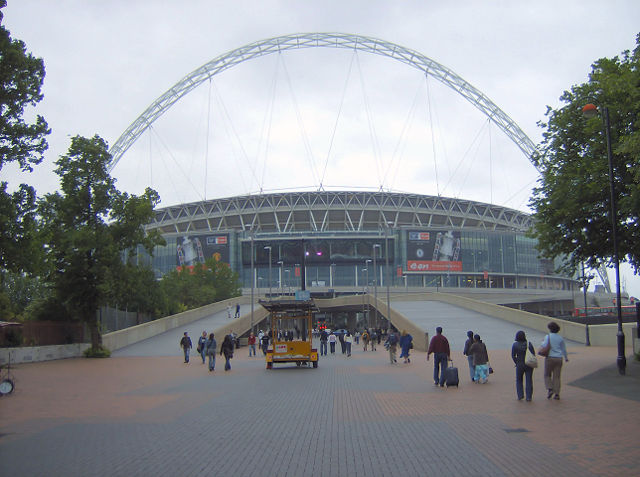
[[544, 350], [530, 358], [490, 369]]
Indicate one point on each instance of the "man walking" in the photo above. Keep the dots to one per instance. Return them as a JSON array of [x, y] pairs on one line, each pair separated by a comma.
[[439, 346], [323, 342], [391, 344], [186, 345]]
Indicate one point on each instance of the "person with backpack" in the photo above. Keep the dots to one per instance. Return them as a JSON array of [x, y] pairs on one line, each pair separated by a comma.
[[202, 346], [406, 343], [186, 345], [391, 344]]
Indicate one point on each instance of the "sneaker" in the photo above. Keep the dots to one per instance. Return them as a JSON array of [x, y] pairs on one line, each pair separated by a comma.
[[557, 396], [549, 394]]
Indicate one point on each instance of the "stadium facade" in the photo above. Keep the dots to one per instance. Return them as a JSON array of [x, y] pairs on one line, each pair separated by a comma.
[[351, 239]]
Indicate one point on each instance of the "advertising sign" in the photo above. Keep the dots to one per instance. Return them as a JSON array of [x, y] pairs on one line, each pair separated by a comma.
[[194, 249], [434, 251]]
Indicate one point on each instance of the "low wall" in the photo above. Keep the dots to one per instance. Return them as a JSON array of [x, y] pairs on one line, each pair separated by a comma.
[[128, 336], [31, 354]]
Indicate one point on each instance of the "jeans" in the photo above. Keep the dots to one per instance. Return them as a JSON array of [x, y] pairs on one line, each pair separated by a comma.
[[186, 354], [227, 363], [332, 346], [252, 348], [323, 348], [212, 361], [348, 346], [203, 352], [440, 362], [472, 368], [265, 347], [522, 370]]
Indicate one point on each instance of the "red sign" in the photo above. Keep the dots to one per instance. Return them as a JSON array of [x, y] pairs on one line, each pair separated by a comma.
[[431, 266], [297, 271], [221, 240]]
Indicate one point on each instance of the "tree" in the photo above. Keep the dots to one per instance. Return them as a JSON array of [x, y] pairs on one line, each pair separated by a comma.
[[21, 78], [571, 203], [86, 228]]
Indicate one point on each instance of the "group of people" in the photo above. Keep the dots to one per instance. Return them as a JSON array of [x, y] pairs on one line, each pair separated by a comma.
[[207, 346], [237, 313], [405, 341], [523, 354]]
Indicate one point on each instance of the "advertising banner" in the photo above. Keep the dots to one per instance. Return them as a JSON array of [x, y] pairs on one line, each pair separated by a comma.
[[194, 249], [433, 251]]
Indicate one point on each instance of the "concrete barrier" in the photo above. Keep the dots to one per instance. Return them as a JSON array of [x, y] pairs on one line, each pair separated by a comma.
[[128, 336], [32, 354]]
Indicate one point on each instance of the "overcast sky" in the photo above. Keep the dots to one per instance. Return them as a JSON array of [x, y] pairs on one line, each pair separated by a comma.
[[316, 117]]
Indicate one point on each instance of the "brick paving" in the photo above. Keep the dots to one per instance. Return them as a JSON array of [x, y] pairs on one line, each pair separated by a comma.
[[358, 416]]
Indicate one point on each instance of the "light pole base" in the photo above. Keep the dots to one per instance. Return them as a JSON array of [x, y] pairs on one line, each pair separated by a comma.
[[622, 360]]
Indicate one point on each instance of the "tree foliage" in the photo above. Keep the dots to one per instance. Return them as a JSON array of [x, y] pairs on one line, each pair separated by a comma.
[[571, 204], [191, 288], [87, 226], [21, 78]]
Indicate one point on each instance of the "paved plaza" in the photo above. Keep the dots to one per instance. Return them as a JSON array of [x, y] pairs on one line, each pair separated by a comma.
[[360, 416]]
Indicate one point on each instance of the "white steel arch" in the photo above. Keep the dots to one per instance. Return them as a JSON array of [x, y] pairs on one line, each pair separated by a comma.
[[321, 40]]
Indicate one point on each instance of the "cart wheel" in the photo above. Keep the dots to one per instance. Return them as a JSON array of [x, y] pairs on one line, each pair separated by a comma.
[[315, 364], [6, 387]]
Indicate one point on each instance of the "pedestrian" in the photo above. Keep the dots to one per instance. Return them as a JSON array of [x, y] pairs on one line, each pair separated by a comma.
[[228, 311], [211, 351], [373, 338], [391, 344], [264, 341], [406, 343], [186, 345], [518, 354], [553, 360], [343, 345], [439, 346], [379, 335], [202, 345], [356, 337], [227, 350], [324, 337], [237, 310], [251, 341], [332, 343], [348, 340], [365, 340], [480, 360], [467, 345]]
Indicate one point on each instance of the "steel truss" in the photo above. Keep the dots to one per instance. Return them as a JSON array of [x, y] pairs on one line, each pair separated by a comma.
[[335, 212], [321, 40]]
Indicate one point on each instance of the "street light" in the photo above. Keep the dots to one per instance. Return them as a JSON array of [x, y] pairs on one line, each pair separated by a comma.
[[375, 284], [386, 271], [590, 111], [253, 278], [364, 306], [281, 263], [268, 247]]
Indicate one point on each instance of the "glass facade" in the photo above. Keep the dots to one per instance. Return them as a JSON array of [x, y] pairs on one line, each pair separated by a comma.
[[416, 258]]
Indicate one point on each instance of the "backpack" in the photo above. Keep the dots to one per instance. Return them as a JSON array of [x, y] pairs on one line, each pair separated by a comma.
[[393, 339], [365, 336]]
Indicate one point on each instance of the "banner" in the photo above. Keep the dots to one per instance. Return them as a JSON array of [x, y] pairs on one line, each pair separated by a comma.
[[434, 251], [193, 249]]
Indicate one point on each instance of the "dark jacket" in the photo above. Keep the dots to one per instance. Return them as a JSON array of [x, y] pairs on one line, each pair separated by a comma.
[[227, 347], [211, 346], [479, 352], [518, 351], [185, 342], [467, 345]]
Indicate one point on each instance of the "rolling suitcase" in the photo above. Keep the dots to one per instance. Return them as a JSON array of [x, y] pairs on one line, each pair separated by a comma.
[[451, 375]]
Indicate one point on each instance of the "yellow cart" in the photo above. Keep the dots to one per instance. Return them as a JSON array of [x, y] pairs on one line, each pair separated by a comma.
[[291, 332]]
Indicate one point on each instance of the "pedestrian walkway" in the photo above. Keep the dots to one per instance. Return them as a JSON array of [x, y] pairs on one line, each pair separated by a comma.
[[358, 416]]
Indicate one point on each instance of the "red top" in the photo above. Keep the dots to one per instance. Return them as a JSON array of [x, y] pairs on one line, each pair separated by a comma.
[[439, 344], [252, 340]]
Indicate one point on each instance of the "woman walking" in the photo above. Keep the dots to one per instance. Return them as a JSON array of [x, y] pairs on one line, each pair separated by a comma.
[[553, 360], [519, 353], [467, 345], [405, 345], [211, 351], [227, 350], [480, 360], [202, 346], [348, 341]]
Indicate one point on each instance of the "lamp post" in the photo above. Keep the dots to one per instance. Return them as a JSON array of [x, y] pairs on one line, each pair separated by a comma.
[[590, 110], [375, 284], [281, 263], [268, 247], [364, 305], [253, 278], [386, 271]]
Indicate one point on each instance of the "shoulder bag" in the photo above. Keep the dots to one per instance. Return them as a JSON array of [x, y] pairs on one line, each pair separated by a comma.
[[544, 350], [530, 358]]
